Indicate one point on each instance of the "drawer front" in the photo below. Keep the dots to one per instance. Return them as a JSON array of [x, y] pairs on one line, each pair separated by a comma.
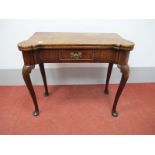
[[76, 55]]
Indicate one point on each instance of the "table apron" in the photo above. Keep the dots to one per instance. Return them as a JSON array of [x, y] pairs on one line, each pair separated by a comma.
[[75, 56]]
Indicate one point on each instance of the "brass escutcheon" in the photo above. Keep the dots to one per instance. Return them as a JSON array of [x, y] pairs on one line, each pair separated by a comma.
[[75, 55]]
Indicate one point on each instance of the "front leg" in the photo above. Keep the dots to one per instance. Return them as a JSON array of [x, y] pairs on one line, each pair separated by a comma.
[[26, 75], [125, 75]]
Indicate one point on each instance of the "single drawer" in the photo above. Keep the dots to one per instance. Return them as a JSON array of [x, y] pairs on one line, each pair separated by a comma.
[[77, 55]]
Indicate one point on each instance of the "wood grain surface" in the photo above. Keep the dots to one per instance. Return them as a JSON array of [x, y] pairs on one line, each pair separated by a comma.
[[47, 40]]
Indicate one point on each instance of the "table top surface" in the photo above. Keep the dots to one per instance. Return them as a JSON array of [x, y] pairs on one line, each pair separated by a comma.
[[64, 39]]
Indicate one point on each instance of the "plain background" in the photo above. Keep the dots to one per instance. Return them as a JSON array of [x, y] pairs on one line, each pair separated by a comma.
[[77, 9]]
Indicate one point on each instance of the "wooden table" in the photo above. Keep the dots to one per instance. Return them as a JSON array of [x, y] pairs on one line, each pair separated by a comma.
[[61, 47]]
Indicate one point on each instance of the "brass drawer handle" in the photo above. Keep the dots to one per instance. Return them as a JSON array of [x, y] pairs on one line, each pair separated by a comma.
[[75, 55]]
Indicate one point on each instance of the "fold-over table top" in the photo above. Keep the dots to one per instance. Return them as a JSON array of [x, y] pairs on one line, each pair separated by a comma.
[[49, 40]]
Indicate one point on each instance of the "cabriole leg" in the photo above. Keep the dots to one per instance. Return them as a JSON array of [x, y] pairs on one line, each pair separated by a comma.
[[26, 75], [125, 74]]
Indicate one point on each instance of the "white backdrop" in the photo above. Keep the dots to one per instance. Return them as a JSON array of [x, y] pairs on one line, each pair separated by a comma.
[[142, 32]]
